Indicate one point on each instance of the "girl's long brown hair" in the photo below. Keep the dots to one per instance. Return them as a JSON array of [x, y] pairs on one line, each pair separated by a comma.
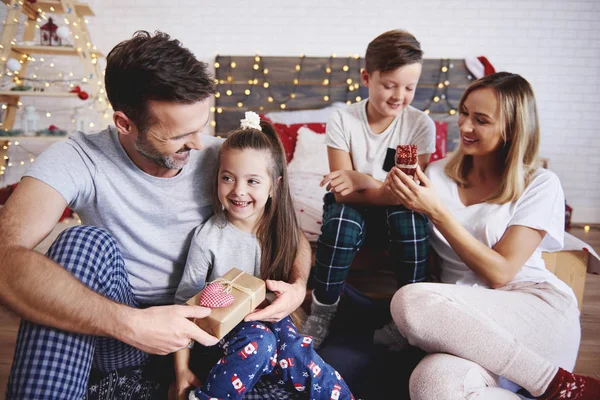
[[277, 231]]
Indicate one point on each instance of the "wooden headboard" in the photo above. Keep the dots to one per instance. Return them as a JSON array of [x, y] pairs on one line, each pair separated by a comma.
[[262, 84]]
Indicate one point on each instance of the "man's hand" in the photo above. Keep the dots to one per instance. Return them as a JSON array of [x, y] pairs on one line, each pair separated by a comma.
[[344, 182], [289, 296], [164, 329]]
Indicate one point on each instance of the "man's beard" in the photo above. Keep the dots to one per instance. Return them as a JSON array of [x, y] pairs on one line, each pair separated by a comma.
[[145, 149]]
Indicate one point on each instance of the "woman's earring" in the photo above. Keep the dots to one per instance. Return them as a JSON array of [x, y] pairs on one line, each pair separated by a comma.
[[222, 207]]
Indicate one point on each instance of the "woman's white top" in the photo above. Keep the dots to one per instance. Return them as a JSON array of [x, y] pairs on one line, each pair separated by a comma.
[[541, 206]]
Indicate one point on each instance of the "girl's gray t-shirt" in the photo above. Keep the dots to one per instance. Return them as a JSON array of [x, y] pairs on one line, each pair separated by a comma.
[[152, 219]]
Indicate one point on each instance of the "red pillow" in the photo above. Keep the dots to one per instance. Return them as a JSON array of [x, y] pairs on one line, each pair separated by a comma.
[[441, 138], [289, 134]]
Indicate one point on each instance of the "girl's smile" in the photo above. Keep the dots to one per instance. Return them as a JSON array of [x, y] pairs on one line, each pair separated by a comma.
[[244, 186]]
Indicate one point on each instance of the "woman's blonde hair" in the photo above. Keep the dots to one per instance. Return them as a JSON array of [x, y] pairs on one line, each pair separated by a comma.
[[520, 130]]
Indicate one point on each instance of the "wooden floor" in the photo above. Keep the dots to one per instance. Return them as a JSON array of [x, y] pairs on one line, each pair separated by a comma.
[[588, 362]]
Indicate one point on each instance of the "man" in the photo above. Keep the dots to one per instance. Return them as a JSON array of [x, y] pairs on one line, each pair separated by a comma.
[[99, 298]]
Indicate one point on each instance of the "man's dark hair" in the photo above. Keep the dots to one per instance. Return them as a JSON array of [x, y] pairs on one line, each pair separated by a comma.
[[153, 67], [391, 50]]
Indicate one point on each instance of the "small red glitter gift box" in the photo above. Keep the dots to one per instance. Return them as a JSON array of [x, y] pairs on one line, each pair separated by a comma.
[[406, 158]]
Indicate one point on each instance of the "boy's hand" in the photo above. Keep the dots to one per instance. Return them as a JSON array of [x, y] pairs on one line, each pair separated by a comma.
[[186, 381], [344, 182]]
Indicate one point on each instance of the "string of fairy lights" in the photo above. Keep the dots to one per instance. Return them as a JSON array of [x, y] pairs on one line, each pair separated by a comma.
[[64, 82], [43, 77], [225, 66]]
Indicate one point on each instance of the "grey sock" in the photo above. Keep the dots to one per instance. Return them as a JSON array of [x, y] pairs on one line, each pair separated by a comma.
[[319, 321], [390, 337]]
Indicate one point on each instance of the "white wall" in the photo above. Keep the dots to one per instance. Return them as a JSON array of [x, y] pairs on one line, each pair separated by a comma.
[[555, 44]]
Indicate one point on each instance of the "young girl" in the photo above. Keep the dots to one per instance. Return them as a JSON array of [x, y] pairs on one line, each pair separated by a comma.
[[254, 229], [499, 312]]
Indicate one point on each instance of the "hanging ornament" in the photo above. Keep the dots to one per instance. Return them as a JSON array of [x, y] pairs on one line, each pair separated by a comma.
[[83, 95], [76, 89], [63, 32], [13, 65], [81, 121]]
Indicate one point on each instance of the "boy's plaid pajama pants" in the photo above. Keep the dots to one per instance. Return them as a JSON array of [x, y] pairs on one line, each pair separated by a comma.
[[344, 231]]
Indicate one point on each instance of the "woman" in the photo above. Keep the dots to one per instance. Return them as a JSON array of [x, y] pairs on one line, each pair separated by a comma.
[[493, 212]]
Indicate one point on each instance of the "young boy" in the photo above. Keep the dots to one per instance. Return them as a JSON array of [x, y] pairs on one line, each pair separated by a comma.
[[362, 141]]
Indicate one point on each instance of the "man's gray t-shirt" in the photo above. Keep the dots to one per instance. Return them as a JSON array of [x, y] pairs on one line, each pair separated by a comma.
[[152, 219], [217, 247]]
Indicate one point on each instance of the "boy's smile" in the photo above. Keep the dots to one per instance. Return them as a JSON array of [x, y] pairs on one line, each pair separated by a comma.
[[390, 93]]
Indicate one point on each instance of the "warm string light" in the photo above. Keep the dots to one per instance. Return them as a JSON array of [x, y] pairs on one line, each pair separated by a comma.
[[258, 67], [20, 162], [440, 93], [261, 73], [228, 86], [352, 86]]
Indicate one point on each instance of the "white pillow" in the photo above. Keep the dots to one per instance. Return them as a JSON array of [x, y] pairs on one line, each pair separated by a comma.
[[310, 154], [303, 116]]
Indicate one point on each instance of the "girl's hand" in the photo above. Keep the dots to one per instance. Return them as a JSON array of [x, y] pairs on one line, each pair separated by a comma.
[[344, 182], [420, 198], [289, 296], [186, 381]]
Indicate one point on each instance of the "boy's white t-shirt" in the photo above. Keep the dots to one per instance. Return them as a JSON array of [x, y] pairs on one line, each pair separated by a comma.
[[541, 206], [348, 130]]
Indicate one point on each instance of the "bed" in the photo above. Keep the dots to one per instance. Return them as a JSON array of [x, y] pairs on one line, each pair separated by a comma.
[[297, 94]]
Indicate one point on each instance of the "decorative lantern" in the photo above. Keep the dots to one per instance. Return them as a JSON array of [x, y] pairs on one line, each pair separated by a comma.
[[29, 122], [48, 35], [81, 121]]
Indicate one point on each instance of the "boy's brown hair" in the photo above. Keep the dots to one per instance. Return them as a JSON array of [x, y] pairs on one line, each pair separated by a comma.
[[391, 50]]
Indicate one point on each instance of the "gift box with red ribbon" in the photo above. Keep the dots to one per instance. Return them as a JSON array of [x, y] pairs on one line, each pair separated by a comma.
[[231, 297], [406, 158]]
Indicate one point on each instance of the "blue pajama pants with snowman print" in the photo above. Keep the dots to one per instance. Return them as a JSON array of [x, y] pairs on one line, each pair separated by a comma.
[[278, 352]]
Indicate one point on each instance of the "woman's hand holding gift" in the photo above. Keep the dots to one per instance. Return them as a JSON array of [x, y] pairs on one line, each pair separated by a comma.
[[421, 198]]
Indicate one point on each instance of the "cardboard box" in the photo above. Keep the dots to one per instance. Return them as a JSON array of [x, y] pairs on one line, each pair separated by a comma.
[[570, 267], [222, 320]]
